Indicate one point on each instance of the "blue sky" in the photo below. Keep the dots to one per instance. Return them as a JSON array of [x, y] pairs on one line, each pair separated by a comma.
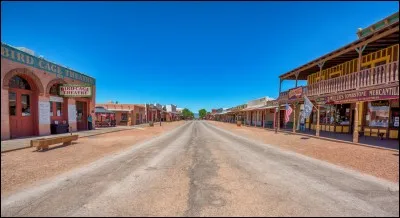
[[192, 54]]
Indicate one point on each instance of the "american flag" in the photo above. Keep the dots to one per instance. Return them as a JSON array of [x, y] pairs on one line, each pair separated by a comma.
[[288, 111]]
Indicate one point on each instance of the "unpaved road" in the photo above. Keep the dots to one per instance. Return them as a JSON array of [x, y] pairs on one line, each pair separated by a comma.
[[200, 170]]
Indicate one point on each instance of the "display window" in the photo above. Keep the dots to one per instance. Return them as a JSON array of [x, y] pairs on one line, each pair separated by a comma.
[[378, 114], [343, 114]]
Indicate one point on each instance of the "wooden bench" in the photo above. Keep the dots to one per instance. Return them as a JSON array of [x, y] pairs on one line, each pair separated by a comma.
[[43, 144]]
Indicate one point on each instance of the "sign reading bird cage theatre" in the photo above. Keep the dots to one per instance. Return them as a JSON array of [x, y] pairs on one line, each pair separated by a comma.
[[73, 90]]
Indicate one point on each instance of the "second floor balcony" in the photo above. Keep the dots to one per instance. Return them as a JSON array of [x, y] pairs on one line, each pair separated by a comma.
[[380, 75]]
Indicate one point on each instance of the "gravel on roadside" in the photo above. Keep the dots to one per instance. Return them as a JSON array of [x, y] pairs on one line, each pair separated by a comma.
[[23, 167], [377, 162]]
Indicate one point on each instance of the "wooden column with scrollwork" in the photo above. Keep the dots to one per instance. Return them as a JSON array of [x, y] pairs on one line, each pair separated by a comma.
[[317, 127], [355, 126], [294, 115]]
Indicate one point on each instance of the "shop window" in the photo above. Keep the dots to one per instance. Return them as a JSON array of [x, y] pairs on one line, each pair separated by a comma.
[[26, 106], [343, 114], [124, 117], [395, 116], [12, 102], [378, 114], [18, 82]]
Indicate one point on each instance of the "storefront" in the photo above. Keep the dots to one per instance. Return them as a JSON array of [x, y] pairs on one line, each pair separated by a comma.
[[31, 102], [104, 117], [126, 114], [378, 112]]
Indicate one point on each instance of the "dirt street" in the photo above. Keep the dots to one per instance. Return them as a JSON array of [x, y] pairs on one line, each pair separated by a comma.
[[199, 169]]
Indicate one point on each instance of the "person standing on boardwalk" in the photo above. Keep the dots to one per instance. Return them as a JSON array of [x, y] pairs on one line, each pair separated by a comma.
[[90, 121]]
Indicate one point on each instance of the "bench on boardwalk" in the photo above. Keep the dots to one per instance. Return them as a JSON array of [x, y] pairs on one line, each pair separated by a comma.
[[43, 144]]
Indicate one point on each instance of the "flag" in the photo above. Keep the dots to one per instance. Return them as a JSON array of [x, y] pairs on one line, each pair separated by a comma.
[[288, 111], [307, 107]]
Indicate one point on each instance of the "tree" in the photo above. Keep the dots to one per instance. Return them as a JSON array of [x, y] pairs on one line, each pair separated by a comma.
[[202, 113], [186, 113]]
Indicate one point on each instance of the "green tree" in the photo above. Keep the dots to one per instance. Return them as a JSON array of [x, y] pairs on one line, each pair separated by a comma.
[[187, 114], [202, 113]]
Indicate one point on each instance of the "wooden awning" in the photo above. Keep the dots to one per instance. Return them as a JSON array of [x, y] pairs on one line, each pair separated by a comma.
[[380, 39]]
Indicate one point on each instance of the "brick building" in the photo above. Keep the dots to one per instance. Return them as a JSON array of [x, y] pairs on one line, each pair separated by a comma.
[[31, 100], [126, 114]]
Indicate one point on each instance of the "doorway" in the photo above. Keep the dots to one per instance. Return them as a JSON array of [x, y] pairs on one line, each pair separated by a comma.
[[21, 99], [281, 118], [81, 118], [352, 122]]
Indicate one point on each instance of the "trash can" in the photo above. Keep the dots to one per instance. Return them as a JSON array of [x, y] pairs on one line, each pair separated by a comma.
[[239, 123], [151, 123]]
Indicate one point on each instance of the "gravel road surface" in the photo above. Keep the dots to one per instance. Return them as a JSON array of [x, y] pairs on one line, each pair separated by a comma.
[[201, 170]]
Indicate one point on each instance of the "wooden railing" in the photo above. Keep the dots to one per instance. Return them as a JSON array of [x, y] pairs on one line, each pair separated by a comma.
[[379, 75]]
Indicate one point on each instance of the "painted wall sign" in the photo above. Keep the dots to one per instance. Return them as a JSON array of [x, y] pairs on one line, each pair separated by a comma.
[[44, 112], [366, 95], [72, 90], [72, 113], [40, 63], [272, 103], [321, 100], [379, 103], [295, 93]]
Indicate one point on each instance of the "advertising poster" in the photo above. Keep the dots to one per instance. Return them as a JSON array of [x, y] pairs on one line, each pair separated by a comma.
[[44, 112]]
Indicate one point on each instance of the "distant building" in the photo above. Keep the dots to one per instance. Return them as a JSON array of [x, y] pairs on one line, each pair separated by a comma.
[[126, 114]]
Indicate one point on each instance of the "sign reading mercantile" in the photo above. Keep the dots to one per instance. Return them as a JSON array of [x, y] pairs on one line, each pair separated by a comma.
[[73, 90], [19, 56], [366, 95]]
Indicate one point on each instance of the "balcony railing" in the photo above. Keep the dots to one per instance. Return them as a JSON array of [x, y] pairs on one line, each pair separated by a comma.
[[383, 74]]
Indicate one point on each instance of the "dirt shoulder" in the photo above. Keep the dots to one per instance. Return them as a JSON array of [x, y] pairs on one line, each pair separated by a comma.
[[23, 167], [380, 163]]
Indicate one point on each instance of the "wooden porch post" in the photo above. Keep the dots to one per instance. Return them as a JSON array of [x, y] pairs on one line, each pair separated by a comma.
[[359, 51], [279, 117], [321, 65], [297, 75], [317, 128], [294, 116], [355, 125], [255, 123], [265, 117]]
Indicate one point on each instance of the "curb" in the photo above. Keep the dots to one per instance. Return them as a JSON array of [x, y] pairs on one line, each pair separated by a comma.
[[133, 127], [325, 138], [15, 149]]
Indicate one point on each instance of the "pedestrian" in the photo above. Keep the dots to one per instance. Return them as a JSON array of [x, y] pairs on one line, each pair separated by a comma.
[[89, 121], [302, 122]]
